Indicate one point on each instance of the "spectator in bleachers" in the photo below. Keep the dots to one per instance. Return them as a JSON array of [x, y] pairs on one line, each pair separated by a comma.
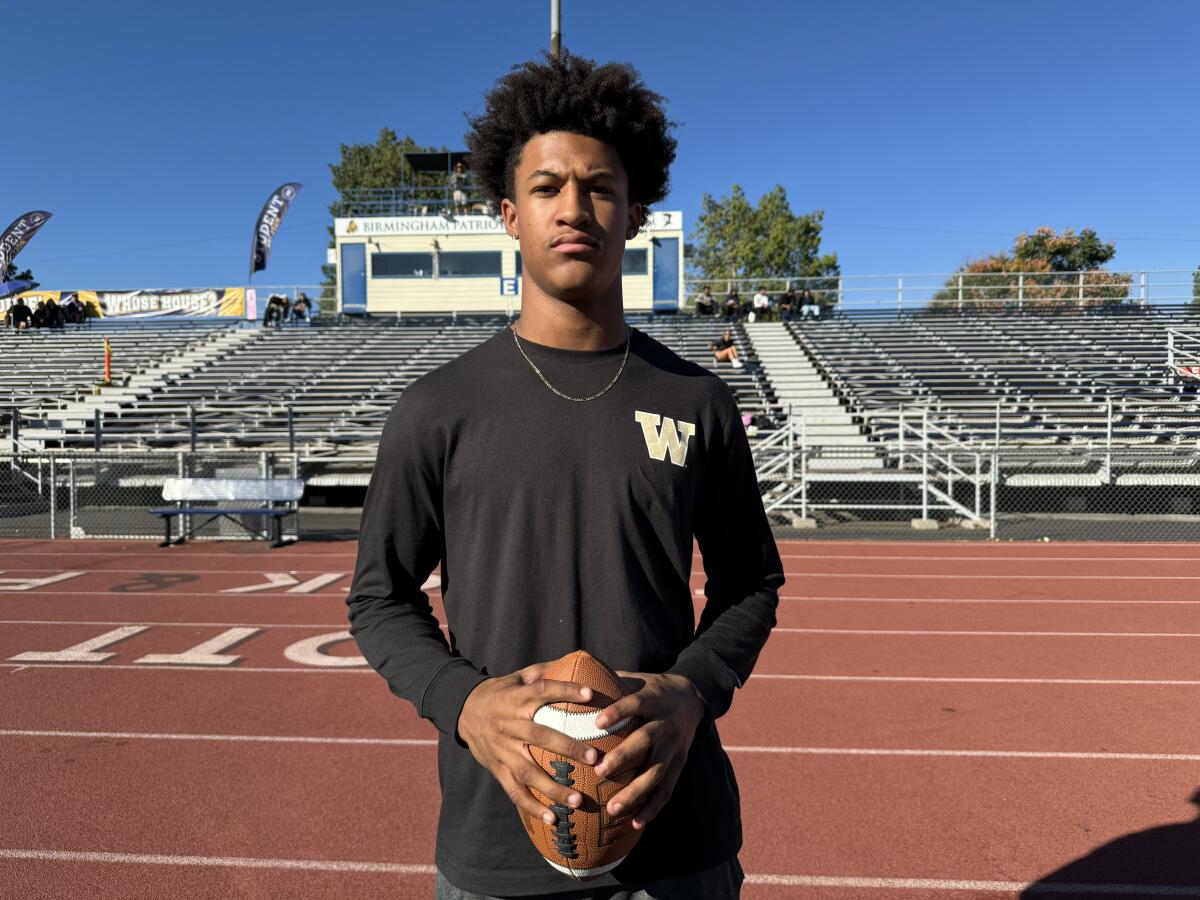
[[809, 307], [762, 305], [18, 315], [787, 304], [275, 311], [705, 304], [301, 309], [73, 311], [725, 350], [733, 305], [39, 314], [458, 184], [53, 314]]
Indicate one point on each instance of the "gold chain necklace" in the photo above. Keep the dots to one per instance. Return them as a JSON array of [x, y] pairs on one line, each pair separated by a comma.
[[513, 328]]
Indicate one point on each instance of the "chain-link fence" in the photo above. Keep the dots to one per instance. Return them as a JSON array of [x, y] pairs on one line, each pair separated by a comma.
[[109, 495], [924, 482], [921, 488]]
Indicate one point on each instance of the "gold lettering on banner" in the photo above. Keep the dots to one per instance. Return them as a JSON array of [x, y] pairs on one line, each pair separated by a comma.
[[672, 437]]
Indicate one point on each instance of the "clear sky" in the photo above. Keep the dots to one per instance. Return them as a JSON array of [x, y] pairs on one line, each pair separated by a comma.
[[929, 132]]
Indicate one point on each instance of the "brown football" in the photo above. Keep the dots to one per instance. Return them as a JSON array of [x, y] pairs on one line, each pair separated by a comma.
[[586, 842]]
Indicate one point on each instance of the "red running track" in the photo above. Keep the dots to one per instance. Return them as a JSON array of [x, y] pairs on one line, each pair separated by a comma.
[[955, 721]]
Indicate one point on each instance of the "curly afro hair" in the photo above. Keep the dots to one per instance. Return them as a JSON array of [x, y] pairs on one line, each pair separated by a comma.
[[571, 93]]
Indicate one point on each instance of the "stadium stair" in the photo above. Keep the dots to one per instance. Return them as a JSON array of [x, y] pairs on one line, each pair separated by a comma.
[[71, 417], [828, 425]]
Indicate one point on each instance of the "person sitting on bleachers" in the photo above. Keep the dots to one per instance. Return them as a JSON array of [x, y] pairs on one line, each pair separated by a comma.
[[787, 304], [733, 305], [53, 314], [705, 305], [18, 316], [809, 307], [301, 309], [725, 350], [762, 305]]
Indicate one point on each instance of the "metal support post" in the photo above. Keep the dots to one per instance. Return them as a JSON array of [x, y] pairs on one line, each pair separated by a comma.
[[925, 464], [97, 424], [1081, 289], [899, 294], [53, 493], [192, 427], [791, 446], [992, 501], [72, 525], [1141, 289], [291, 420], [960, 292], [978, 487], [1108, 434], [803, 468], [1021, 291], [900, 431]]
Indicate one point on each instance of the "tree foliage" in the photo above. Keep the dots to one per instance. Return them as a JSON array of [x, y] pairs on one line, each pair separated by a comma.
[[1047, 269], [11, 274], [733, 239], [377, 165]]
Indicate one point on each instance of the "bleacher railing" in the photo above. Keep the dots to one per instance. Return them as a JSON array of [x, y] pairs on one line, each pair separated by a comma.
[[969, 291], [992, 472]]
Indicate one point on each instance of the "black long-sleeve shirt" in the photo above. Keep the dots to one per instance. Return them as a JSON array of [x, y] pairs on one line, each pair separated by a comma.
[[562, 526]]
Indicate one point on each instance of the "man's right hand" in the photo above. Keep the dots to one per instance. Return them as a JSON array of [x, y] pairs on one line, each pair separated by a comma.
[[496, 723]]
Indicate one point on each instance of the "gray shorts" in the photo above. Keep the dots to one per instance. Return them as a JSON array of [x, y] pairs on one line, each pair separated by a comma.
[[723, 882]]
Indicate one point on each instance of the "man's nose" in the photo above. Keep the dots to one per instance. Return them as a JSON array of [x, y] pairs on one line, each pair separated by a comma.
[[574, 205]]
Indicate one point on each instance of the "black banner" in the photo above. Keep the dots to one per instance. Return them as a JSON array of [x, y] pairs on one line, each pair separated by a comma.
[[268, 224], [17, 235]]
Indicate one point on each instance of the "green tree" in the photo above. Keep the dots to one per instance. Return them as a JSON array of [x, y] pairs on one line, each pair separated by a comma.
[[362, 166], [733, 239], [1057, 268], [11, 274]]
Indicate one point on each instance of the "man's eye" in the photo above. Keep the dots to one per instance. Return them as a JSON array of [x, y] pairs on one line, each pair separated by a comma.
[[599, 189], [544, 189]]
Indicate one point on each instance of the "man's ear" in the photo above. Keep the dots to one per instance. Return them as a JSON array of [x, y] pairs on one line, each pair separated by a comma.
[[635, 221], [508, 214]]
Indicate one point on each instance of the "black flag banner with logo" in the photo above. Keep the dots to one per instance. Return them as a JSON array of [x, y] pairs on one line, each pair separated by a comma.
[[17, 235], [268, 223]]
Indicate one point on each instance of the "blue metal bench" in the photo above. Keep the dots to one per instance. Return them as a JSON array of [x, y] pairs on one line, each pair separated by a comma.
[[267, 493]]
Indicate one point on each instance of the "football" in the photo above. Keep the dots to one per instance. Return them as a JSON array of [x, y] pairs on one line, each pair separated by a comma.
[[586, 842]]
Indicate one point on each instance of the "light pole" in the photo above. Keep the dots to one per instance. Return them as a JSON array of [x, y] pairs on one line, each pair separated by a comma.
[[555, 29]]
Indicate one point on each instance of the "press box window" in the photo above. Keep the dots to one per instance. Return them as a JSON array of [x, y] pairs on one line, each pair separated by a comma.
[[634, 263], [463, 264], [402, 265]]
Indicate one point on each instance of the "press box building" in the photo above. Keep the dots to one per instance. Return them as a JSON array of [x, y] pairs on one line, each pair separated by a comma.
[[439, 263]]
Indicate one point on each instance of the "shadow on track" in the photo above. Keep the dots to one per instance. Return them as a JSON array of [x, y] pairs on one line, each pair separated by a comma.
[[1162, 862]]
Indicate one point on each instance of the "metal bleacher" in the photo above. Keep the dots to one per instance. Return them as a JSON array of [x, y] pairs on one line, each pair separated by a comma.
[[1040, 379], [324, 391]]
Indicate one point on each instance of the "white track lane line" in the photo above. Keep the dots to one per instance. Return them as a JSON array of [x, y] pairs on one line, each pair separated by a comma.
[[903, 632], [946, 679], [757, 678], [234, 862], [778, 880], [325, 625], [732, 748], [817, 598], [913, 632]]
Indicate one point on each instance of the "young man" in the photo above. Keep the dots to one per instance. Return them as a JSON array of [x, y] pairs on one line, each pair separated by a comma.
[[558, 473]]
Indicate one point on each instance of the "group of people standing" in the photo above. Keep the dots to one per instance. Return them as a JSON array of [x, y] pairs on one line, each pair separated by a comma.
[[47, 314], [788, 305]]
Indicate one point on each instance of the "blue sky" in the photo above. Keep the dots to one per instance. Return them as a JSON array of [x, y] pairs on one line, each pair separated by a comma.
[[929, 132]]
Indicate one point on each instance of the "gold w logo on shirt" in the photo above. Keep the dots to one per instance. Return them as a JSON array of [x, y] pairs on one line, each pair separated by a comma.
[[671, 436]]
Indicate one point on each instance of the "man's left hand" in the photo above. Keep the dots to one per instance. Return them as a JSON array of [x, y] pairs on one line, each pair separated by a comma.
[[670, 710]]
